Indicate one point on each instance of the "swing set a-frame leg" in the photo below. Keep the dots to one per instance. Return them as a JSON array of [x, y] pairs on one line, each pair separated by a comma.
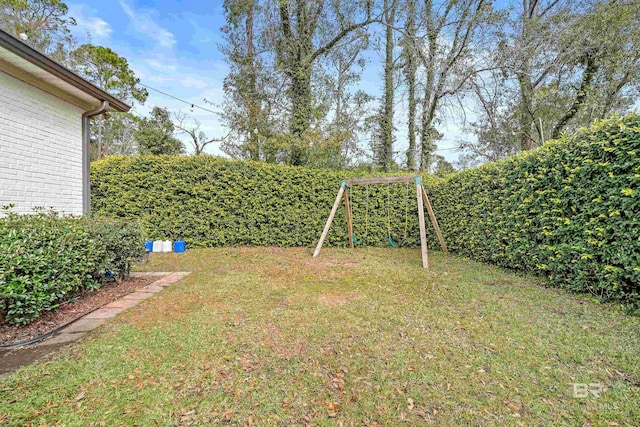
[[434, 221], [349, 221], [421, 222], [334, 209]]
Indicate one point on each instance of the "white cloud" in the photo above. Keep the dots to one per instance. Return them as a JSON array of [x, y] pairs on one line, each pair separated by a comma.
[[194, 83], [89, 26], [145, 25], [157, 64]]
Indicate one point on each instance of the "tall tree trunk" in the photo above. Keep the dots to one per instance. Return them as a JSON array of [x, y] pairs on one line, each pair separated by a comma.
[[587, 78], [253, 108], [297, 54], [387, 114], [411, 67], [429, 99], [301, 102], [526, 117]]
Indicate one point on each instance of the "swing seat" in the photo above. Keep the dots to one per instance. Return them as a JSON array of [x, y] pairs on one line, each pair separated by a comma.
[[392, 242]]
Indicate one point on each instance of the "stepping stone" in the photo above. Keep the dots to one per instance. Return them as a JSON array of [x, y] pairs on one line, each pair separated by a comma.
[[83, 325], [122, 303], [138, 295], [152, 288], [60, 338], [104, 313]]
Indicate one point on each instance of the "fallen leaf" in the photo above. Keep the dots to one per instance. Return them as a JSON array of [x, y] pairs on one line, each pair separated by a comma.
[[331, 409], [79, 397]]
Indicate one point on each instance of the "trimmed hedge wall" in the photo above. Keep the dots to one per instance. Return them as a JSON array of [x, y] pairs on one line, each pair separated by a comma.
[[210, 201], [569, 210]]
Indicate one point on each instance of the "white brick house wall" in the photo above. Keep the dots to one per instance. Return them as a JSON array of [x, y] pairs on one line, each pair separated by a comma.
[[40, 149]]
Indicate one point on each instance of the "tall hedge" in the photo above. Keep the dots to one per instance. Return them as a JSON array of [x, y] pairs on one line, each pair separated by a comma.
[[210, 201], [569, 211]]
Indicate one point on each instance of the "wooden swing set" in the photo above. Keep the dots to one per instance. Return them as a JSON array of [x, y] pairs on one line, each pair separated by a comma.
[[421, 197]]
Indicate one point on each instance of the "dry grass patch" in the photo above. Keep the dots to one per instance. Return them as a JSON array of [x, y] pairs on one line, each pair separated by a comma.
[[336, 299]]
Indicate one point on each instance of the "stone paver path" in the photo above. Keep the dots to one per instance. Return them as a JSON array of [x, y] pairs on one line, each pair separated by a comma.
[[101, 315], [13, 359]]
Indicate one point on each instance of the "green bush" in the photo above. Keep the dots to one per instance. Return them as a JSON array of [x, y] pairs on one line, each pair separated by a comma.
[[569, 211], [210, 201], [121, 243], [46, 259]]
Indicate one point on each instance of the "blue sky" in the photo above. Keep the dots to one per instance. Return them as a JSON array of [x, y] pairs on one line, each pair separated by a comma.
[[173, 46]]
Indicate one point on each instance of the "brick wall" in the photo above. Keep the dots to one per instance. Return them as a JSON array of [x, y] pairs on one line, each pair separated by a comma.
[[40, 149]]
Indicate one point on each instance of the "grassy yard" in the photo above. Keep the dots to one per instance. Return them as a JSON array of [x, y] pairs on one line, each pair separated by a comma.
[[265, 336]]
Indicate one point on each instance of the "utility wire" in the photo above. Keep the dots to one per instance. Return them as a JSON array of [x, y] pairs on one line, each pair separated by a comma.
[[178, 99], [447, 149], [213, 112]]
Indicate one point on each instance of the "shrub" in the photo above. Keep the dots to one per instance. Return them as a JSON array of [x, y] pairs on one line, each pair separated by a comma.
[[121, 243], [46, 259], [569, 211], [210, 201]]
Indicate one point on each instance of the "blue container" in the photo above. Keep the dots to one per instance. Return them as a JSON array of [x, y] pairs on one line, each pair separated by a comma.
[[179, 246], [148, 245]]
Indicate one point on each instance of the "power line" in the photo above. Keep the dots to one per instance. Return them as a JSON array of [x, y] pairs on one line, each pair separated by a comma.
[[213, 112], [178, 99]]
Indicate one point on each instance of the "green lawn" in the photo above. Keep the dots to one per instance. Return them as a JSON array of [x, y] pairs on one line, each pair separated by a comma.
[[266, 336]]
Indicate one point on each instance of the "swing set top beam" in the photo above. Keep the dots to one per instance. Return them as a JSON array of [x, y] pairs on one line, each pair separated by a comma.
[[381, 180]]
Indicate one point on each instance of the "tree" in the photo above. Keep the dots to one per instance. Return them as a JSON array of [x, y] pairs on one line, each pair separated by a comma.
[[120, 139], [385, 146], [197, 137], [496, 129], [42, 24], [111, 72], [606, 45], [563, 64], [410, 69], [441, 167], [298, 47], [155, 135], [251, 93], [450, 55]]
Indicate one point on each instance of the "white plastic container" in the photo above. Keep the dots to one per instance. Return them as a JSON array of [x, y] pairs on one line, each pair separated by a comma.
[[157, 246], [167, 246]]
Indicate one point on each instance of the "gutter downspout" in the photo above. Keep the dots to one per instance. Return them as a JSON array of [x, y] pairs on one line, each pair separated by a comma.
[[86, 154]]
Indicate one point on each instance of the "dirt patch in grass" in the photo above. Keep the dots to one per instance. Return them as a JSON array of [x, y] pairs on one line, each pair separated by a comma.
[[85, 302], [281, 343], [331, 262], [335, 299]]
